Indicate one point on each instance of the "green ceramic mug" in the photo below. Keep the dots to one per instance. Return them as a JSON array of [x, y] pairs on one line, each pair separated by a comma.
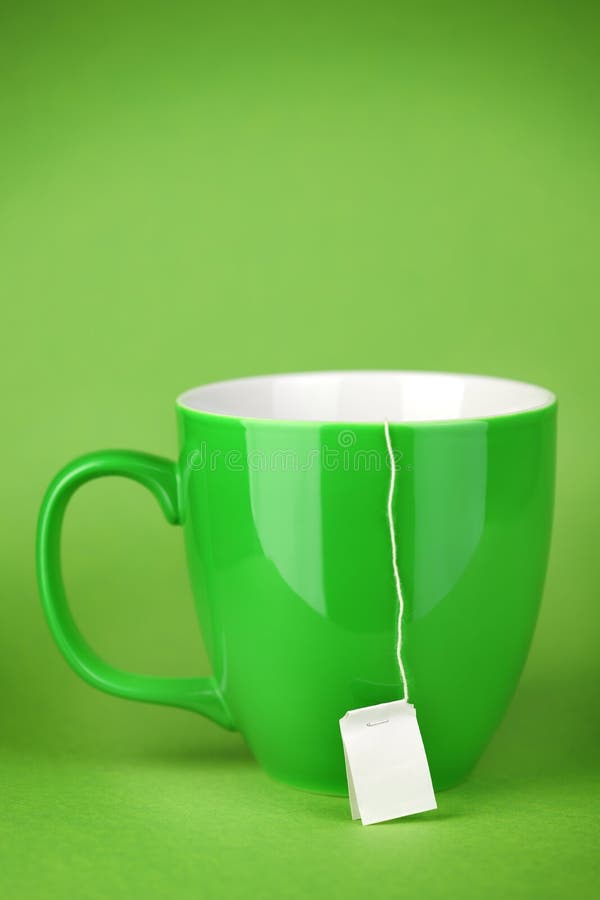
[[281, 488]]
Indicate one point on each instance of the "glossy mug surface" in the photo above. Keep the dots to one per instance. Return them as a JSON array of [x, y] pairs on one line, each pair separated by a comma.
[[281, 488]]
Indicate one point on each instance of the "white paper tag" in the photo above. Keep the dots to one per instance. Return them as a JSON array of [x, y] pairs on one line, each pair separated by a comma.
[[386, 765]]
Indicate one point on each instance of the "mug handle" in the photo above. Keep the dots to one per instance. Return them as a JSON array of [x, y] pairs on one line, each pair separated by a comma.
[[160, 476]]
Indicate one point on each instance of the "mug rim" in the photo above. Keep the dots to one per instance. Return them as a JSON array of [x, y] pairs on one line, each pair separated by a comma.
[[535, 398]]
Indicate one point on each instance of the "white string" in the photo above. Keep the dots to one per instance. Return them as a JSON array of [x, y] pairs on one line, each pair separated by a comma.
[[390, 514]]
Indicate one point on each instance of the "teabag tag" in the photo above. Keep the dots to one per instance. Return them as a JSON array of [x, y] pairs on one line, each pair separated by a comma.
[[386, 765]]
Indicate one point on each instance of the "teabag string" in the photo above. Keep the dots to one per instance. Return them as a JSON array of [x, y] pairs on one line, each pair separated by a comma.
[[390, 514], [387, 769]]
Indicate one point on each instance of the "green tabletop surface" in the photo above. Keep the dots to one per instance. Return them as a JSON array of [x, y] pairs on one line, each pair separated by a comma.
[[193, 192]]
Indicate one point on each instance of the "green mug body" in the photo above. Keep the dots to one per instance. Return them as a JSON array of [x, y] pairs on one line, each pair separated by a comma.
[[282, 487]]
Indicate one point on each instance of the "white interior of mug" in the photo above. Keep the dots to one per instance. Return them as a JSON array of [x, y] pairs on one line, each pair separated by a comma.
[[367, 397]]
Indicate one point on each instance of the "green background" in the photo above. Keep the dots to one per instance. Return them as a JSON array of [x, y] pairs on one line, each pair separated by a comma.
[[188, 194]]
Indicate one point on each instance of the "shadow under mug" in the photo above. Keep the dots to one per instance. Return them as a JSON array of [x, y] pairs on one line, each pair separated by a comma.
[[281, 488]]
